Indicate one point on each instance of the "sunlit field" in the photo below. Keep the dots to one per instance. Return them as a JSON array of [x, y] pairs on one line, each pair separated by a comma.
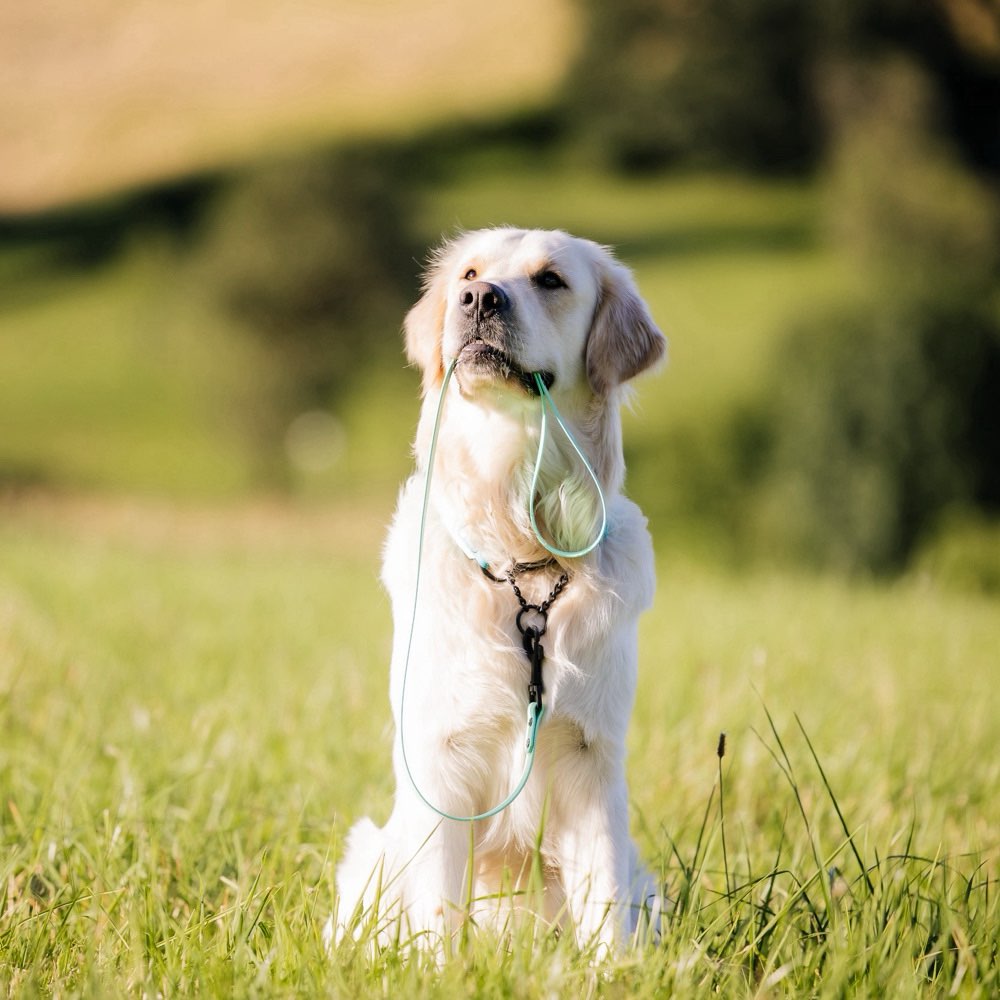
[[194, 710], [131, 377], [193, 676], [153, 100]]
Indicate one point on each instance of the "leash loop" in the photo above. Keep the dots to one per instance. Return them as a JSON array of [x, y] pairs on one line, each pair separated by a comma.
[[536, 710], [549, 404]]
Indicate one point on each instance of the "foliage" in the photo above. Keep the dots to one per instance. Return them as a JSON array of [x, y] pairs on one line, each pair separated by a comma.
[[194, 708], [314, 255], [900, 200], [883, 417], [964, 552], [740, 83], [885, 412], [135, 378], [658, 83]]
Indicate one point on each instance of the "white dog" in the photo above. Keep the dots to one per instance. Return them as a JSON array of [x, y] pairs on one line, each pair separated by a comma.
[[502, 305]]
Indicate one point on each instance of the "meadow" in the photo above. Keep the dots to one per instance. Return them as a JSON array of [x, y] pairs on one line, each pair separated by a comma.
[[193, 675], [130, 377], [194, 710]]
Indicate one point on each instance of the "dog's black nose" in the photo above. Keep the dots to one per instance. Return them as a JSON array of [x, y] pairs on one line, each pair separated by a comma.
[[481, 300]]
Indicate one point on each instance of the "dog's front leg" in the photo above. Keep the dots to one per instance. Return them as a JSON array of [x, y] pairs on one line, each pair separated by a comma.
[[433, 877], [434, 850], [594, 855]]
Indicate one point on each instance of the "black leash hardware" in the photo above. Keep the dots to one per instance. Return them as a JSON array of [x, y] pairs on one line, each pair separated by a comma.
[[531, 640], [531, 634]]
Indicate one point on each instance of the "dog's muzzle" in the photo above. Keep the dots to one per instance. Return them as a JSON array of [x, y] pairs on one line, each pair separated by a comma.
[[486, 357], [487, 309]]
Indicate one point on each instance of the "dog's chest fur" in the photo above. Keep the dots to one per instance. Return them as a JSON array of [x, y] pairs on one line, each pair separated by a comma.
[[467, 662]]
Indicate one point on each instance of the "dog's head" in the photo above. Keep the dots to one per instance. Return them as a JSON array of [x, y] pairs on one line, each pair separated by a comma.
[[505, 303]]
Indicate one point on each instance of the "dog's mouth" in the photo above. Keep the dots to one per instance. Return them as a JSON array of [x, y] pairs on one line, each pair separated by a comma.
[[488, 358]]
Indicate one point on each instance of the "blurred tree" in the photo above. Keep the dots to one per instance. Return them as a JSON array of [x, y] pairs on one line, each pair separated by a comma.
[[955, 46], [899, 198], [313, 255], [885, 417], [886, 412], [700, 81], [93, 233], [734, 82]]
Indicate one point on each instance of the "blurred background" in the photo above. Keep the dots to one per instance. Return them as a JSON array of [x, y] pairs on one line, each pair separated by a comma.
[[214, 216]]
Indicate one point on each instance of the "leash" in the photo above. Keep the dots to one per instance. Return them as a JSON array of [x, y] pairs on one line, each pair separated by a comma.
[[543, 392], [532, 631]]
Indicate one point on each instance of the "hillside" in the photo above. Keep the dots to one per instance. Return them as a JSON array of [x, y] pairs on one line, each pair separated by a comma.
[[104, 95]]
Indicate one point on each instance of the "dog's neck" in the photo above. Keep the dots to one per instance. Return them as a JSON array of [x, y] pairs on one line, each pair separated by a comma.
[[482, 477]]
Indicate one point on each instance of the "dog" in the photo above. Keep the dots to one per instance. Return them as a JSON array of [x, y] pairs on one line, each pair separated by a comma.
[[516, 315]]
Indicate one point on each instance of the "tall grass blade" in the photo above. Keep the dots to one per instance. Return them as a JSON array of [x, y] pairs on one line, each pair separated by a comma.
[[836, 805]]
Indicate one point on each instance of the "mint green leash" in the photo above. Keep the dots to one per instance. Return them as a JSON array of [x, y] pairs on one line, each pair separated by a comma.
[[536, 710], [543, 392]]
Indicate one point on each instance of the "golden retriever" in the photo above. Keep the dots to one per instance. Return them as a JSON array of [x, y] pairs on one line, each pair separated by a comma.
[[499, 306]]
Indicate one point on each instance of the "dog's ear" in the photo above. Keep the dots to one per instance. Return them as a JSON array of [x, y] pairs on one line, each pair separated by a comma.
[[624, 340], [424, 324]]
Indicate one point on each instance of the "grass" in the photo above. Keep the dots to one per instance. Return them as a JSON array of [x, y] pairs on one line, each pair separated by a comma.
[[129, 377], [193, 690], [107, 383], [194, 709]]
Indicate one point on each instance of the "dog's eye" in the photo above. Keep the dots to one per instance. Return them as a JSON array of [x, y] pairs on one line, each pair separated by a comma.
[[470, 275], [549, 280]]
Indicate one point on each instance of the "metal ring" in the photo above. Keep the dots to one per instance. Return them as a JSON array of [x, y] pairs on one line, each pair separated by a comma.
[[541, 614]]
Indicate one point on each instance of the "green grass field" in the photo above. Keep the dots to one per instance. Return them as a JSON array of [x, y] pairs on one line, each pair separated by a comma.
[[193, 681], [130, 378], [193, 674], [194, 710]]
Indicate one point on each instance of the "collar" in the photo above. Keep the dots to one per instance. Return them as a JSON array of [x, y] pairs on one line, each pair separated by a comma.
[[461, 538]]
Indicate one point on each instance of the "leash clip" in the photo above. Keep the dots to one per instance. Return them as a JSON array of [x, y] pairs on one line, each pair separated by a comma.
[[533, 649]]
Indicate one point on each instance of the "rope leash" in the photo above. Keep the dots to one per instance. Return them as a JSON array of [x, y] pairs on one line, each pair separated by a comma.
[[531, 633], [547, 401]]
